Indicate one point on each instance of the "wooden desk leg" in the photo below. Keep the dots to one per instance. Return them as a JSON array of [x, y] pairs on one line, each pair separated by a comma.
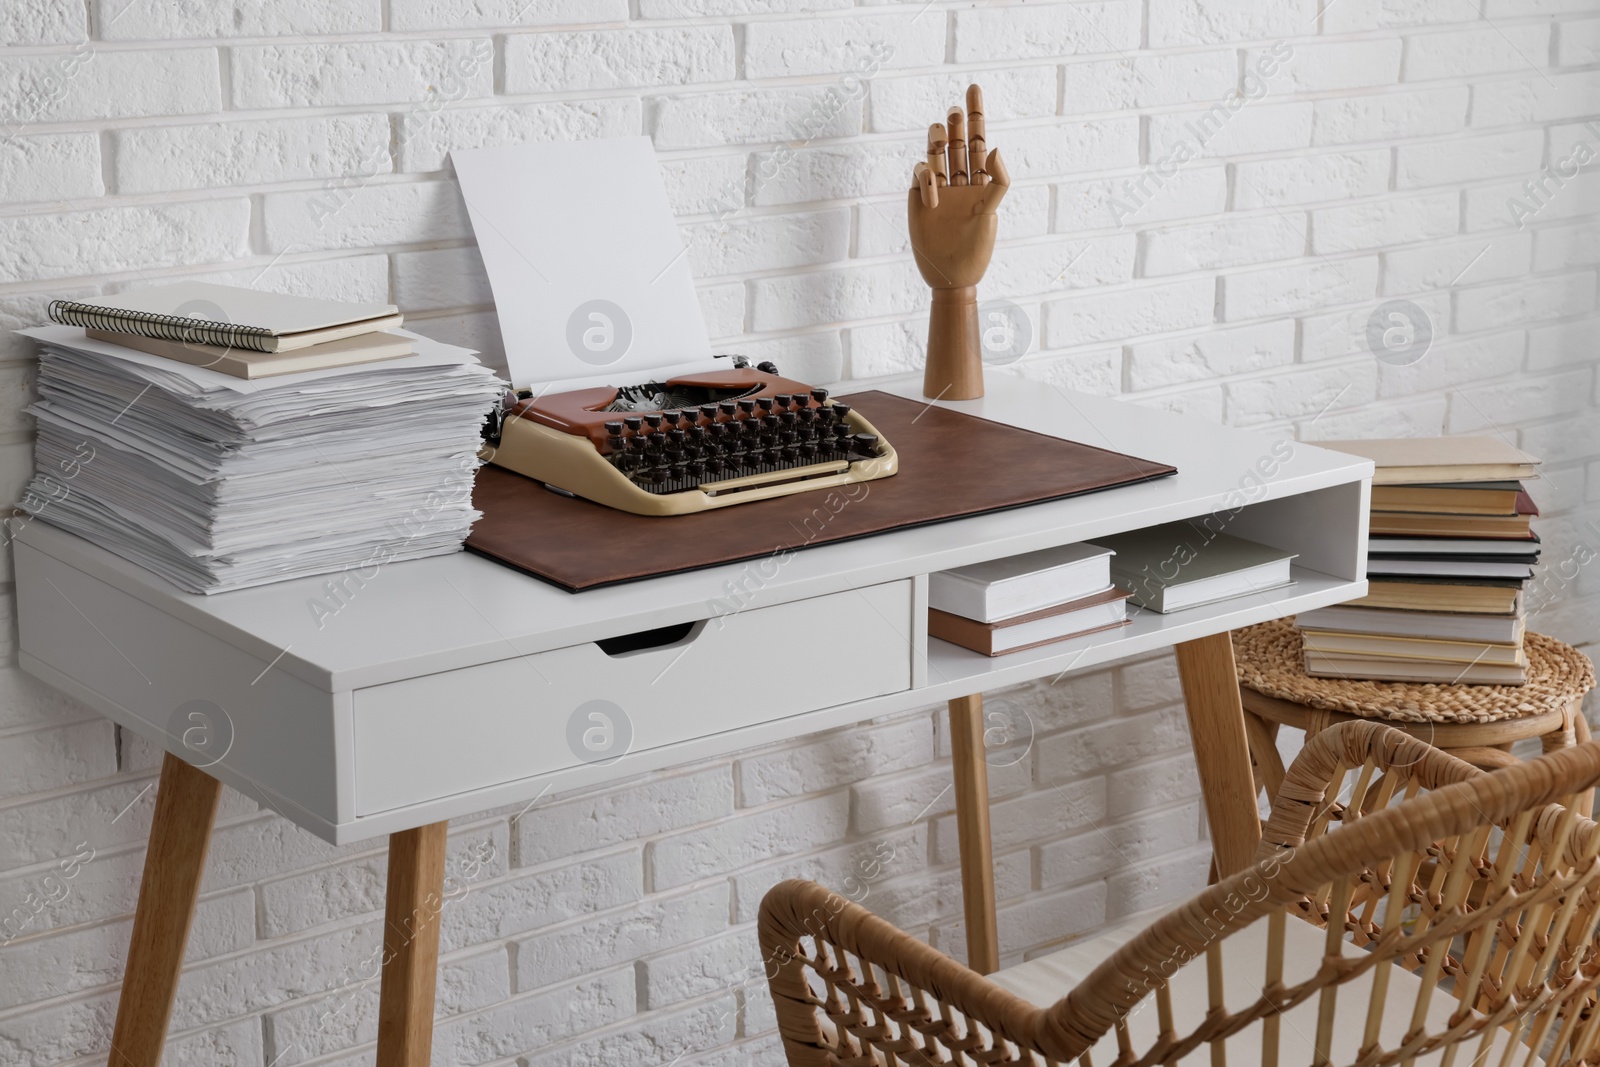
[[411, 946], [972, 830], [186, 806], [1216, 728]]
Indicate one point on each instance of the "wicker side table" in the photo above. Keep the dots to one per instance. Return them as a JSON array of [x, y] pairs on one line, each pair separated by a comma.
[[1477, 723]]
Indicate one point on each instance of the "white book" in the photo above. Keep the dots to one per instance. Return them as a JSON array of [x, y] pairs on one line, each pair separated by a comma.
[[1379, 669], [1016, 585], [1181, 565], [1447, 568]]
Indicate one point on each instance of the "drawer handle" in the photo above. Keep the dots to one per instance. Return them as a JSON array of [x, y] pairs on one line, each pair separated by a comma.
[[644, 640]]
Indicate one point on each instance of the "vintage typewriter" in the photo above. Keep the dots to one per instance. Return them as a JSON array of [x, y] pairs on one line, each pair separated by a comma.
[[690, 443]]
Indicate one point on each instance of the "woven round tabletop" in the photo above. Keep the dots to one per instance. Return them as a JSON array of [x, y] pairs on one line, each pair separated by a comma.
[[1269, 662]]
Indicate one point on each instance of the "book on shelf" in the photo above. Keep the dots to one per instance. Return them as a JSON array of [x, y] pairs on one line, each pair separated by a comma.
[[1385, 646], [1325, 665], [1447, 568], [1435, 460], [1495, 629], [1462, 498], [247, 363], [1518, 549], [1015, 585], [1101, 611], [1414, 524], [226, 316], [1182, 565]]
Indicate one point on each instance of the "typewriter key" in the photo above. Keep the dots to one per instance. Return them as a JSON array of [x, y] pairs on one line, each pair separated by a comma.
[[841, 431], [819, 395], [614, 428], [675, 437], [653, 420], [764, 403], [633, 422], [747, 406], [782, 400], [841, 411], [865, 443], [728, 408], [709, 411]]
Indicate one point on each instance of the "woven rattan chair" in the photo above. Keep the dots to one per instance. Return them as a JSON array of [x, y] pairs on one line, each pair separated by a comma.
[[1477, 723], [1465, 902]]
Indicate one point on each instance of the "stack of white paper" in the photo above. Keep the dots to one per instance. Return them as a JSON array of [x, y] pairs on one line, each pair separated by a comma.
[[216, 482]]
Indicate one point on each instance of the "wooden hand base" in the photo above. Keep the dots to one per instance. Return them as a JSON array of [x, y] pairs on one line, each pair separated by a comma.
[[954, 369]]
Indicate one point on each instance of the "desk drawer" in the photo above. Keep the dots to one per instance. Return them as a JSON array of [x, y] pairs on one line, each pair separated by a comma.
[[455, 731]]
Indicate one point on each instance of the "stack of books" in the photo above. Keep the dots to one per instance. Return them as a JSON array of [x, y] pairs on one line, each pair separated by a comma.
[[1020, 602], [217, 481], [1451, 546]]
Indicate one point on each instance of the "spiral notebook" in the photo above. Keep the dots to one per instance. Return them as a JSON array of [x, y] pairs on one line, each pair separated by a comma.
[[226, 315]]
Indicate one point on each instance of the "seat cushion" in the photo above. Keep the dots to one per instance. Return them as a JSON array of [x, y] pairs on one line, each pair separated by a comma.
[[1046, 979]]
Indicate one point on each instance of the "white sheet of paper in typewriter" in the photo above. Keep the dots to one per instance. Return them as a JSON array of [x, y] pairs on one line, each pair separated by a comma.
[[589, 269]]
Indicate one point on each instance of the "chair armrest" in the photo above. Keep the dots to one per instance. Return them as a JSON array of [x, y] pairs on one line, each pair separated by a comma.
[[1391, 761]]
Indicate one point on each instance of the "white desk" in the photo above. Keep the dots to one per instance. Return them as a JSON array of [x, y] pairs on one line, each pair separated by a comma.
[[426, 690]]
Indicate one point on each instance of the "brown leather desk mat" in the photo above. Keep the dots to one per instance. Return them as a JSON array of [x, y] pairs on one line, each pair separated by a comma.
[[952, 465]]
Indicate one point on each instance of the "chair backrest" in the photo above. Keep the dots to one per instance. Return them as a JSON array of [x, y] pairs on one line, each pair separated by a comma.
[[1483, 885]]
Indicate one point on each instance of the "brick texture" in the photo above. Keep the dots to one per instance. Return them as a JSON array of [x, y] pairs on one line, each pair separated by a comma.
[[1212, 199]]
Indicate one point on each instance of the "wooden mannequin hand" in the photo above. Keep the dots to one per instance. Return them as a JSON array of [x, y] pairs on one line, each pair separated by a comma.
[[953, 199], [951, 213]]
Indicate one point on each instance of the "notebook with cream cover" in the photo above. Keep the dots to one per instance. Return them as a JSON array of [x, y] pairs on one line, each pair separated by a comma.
[[245, 363], [204, 313]]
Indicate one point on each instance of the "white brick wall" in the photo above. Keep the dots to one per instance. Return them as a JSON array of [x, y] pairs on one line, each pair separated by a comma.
[[1372, 152]]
